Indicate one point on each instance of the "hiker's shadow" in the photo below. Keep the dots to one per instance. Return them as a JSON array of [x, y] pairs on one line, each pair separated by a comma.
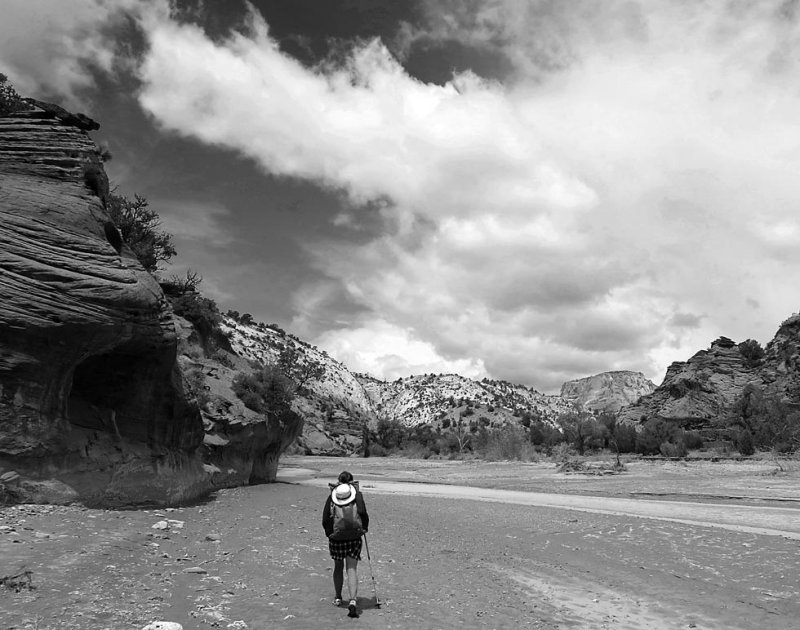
[[368, 603]]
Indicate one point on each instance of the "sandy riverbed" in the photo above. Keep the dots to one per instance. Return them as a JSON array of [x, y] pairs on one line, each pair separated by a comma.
[[256, 557]]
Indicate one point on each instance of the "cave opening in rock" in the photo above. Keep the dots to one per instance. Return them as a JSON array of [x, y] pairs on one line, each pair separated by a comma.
[[113, 392]]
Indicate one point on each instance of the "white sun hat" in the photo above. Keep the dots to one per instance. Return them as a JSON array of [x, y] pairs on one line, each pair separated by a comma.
[[343, 494]]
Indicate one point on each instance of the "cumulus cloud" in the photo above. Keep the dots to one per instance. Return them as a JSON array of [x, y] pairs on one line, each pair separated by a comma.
[[625, 195], [51, 48], [399, 353], [570, 216]]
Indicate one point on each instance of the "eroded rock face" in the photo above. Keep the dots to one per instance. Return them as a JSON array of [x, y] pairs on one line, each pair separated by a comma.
[[699, 390], [780, 370], [609, 391], [90, 391], [240, 446]]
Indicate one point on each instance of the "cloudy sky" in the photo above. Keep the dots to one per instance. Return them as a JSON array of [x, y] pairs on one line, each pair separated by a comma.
[[531, 190]]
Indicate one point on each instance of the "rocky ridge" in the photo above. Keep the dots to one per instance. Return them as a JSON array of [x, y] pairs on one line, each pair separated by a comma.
[[706, 386], [429, 398], [339, 405]]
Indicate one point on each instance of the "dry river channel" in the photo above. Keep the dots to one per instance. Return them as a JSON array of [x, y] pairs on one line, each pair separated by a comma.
[[451, 545]]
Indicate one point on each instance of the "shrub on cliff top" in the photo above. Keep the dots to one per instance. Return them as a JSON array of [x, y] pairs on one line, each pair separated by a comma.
[[201, 311], [752, 352], [10, 101], [140, 227]]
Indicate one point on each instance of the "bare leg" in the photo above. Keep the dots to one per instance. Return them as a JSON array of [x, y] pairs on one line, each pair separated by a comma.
[[352, 577], [338, 577]]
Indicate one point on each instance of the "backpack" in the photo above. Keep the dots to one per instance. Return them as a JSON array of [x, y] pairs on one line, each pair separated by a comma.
[[347, 523]]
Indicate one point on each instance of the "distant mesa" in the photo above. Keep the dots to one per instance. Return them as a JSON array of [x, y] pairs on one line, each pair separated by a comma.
[[607, 392]]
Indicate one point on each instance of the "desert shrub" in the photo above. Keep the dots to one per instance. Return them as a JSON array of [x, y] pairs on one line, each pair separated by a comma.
[[390, 434], [580, 429], [772, 423], [296, 365], [561, 452], [141, 230], [201, 311], [176, 285], [655, 433], [752, 352], [693, 440], [10, 101], [376, 450], [507, 443], [265, 391], [673, 449], [417, 451], [422, 438], [544, 435], [197, 384], [744, 442], [625, 437]]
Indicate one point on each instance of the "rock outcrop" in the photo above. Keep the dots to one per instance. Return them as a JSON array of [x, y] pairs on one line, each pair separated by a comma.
[[607, 392], [779, 370], [90, 391], [95, 404], [704, 388], [240, 446]]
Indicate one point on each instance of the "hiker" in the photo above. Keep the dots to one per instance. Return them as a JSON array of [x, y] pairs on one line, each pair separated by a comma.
[[345, 520]]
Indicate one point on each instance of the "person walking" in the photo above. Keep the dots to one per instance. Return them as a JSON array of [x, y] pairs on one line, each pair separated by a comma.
[[345, 521]]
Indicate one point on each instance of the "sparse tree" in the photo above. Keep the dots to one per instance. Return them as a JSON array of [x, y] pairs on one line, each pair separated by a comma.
[[578, 428], [140, 227], [752, 352], [187, 284], [462, 434], [265, 391], [299, 368]]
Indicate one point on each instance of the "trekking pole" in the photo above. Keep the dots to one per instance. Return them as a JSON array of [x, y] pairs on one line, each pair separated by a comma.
[[374, 585]]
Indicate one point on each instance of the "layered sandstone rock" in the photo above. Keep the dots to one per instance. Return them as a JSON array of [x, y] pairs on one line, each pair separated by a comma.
[[90, 391], [699, 390], [609, 391], [96, 402]]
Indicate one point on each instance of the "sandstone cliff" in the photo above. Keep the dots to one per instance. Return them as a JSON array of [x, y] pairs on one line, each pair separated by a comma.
[[94, 404], [609, 391], [90, 397]]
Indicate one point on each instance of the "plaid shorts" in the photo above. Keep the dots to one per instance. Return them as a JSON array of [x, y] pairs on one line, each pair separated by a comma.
[[341, 549]]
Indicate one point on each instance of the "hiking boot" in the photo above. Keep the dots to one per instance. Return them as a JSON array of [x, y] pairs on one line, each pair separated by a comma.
[[337, 601], [352, 611]]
